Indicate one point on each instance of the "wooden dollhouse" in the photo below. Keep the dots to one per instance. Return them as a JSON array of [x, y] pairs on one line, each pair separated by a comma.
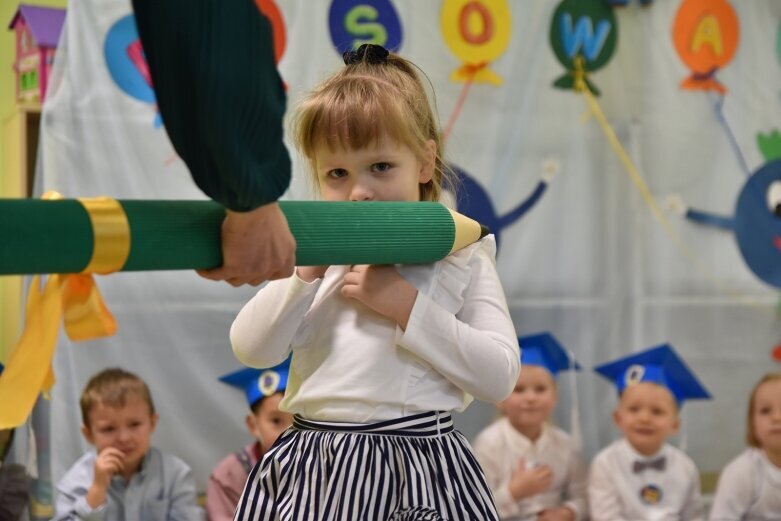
[[37, 33]]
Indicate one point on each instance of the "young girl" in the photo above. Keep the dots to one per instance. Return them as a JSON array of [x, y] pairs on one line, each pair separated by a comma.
[[750, 486], [381, 354], [534, 469]]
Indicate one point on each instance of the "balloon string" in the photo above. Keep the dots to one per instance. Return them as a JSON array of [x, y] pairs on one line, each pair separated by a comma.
[[651, 202], [457, 109], [718, 106]]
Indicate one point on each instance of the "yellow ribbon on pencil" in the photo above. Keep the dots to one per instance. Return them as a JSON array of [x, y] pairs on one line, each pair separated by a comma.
[[73, 297]]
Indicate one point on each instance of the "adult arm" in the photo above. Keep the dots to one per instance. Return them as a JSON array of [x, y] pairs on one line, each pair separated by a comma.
[[222, 101]]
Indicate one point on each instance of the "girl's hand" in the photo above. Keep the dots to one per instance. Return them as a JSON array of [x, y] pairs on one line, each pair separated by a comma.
[[310, 273], [556, 514], [529, 482], [382, 289]]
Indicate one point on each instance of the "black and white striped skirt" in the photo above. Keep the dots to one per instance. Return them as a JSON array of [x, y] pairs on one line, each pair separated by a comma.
[[412, 468]]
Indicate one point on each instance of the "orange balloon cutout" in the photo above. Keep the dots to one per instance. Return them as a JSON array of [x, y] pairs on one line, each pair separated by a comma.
[[274, 15], [705, 33], [477, 32]]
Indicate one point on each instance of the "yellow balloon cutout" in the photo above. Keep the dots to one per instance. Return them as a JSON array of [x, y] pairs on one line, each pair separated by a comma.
[[477, 32]]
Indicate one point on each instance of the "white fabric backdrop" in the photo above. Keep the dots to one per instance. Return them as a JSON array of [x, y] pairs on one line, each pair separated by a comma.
[[589, 263]]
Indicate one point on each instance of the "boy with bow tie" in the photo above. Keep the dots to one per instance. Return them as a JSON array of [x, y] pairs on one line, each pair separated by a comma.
[[642, 477]]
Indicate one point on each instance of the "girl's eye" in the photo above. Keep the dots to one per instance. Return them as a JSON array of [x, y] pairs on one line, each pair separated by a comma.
[[381, 167], [336, 173]]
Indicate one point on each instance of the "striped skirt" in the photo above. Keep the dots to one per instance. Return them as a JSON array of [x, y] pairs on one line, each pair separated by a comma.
[[412, 468]]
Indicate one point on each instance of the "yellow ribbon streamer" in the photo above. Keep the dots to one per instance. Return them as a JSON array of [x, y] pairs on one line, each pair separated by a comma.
[[74, 298], [595, 110]]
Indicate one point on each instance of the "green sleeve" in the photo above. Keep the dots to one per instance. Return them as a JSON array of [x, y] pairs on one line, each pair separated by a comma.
[[219, 94]]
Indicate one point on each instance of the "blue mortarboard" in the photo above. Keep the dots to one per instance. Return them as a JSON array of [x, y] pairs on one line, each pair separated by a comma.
[[659, 365], [543, 349], [259, 383]]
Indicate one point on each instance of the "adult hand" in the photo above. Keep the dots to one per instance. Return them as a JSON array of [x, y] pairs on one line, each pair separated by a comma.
[[529, 482], [256, 246], [556, 514], [382, 289]]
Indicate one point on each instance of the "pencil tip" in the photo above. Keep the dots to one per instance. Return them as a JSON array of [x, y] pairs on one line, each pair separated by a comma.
[[484, 230]]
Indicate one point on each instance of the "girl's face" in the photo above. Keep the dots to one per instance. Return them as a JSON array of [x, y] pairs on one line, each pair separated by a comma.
[[389, 171], [767, 416], [533, 399]]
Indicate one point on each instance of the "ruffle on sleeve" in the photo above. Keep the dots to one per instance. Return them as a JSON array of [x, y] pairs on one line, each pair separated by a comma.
[[455, 273]]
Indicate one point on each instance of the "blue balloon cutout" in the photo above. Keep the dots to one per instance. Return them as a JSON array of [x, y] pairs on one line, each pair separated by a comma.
[[474, 202], [120, 39], [758, 223], [355, 22]]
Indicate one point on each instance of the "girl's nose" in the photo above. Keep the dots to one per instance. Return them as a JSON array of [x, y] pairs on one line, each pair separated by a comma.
[[361, 192]]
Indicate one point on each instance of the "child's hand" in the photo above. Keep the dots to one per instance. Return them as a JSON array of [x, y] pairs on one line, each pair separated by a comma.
[[529, 482], [310, 273], [109, 462], [382, 289], [556, 514]]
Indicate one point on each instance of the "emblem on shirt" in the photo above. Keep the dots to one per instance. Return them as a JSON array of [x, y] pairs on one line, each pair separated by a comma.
[[268, 381], [651, 494]]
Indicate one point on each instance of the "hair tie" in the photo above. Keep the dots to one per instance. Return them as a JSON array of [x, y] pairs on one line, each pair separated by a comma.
[[368, 52]]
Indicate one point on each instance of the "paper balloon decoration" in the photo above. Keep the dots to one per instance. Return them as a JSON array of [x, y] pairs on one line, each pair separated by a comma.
[[477, 32], [355, 22], [475, 202], [271, 11], [126, 63], [757, 220], [583, 36], [705, 33]]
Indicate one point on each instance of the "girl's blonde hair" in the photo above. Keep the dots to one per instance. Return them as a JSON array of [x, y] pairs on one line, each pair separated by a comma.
[[364, 101], [751, 435]]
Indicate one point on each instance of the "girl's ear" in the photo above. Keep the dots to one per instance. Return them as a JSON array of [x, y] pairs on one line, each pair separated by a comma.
[[428, 161]]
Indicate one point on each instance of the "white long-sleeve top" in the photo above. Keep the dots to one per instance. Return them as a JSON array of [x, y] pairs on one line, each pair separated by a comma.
[[749, 489], [616, 493], [351, 364], [498, 448]]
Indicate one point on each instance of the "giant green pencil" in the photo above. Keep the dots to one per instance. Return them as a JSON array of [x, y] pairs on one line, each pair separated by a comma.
[[58, 236]]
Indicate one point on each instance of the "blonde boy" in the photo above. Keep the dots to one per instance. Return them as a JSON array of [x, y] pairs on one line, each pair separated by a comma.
[[641, 477], [124, 477]]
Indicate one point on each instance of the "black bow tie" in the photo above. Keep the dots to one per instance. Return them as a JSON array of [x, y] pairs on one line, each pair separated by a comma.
[[657, 464]]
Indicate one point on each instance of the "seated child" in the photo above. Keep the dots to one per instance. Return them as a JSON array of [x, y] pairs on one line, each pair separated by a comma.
[[124, 478], [641, 477], [533, 468], [750, 486], [264, 388]]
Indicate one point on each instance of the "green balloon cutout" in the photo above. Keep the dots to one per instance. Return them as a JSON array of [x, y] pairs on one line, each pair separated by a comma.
[[583, 36]]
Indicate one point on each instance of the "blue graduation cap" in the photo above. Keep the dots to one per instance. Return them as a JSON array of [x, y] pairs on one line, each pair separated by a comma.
[[259, 383], [544, 350], [659, 365]]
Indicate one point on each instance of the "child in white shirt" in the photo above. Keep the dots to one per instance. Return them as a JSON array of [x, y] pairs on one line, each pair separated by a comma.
[[381, 355], [750, 486], [641, 477], [534, 469]]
